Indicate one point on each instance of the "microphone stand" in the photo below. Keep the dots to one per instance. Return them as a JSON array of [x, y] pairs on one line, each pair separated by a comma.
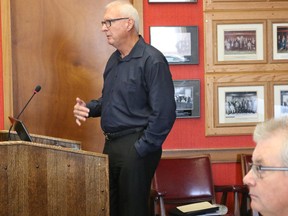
[[37, 89]]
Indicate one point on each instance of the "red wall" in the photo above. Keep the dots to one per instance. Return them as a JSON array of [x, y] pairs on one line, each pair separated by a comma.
[[190, 133]]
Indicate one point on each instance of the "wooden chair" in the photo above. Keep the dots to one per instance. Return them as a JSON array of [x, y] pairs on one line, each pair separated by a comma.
[[245, 160], [180, 181]]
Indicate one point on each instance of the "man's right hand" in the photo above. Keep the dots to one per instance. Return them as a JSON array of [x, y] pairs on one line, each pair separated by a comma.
[[81, 112]]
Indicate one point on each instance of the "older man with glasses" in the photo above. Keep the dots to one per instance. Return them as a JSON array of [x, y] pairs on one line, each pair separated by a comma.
[[137, 110], [268, 178]]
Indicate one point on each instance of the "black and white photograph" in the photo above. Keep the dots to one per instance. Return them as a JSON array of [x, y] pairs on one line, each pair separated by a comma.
[[280, 41], [240, 42], [187, 98], [284, 102], [178, 44], [280, 100], [241, 104]]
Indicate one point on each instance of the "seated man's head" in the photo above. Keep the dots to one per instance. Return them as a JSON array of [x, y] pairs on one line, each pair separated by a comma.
[[268, 178]]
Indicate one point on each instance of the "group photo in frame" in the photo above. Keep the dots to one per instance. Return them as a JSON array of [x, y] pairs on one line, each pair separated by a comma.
[[242, 105], [187, 98], [280, 100], [240, 42], [179, 44], [280, 41], [171, 1]]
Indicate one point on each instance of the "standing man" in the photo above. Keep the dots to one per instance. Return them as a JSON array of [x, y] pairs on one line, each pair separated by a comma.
[[137, 110], [268, 178]]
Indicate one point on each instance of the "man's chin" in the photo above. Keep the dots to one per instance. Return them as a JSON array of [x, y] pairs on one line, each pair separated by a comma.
[[255, 206], [109, 40]]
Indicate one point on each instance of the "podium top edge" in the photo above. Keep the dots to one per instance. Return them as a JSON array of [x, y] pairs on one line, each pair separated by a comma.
[[52, 147], [45, 137]]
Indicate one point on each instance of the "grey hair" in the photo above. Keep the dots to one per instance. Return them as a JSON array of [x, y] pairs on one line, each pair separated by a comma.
[[126, 9], [276, 126]]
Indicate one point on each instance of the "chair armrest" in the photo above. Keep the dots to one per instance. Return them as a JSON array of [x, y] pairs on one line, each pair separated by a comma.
[[157, 194], [236, 190], [231, 188]]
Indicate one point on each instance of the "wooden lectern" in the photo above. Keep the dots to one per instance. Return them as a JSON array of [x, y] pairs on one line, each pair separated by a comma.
[[39, 179]]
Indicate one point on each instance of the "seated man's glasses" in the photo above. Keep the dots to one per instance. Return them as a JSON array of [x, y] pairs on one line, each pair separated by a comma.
[[108, 22], [259, 169]]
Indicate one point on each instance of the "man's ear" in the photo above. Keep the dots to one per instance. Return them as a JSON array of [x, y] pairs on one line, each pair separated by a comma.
[[130, 24]]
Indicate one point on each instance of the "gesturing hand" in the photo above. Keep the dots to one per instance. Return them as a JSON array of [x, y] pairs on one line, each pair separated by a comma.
[[81, 112]]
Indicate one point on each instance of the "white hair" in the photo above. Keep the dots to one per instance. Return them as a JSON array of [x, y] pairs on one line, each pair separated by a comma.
[[126, 9], [274, 127]]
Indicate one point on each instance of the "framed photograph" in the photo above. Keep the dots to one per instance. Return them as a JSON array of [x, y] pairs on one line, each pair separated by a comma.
[[280, 41], [240, 43], [179, 44], [172, 1], [238, 105], [280, 100], [187, 98]]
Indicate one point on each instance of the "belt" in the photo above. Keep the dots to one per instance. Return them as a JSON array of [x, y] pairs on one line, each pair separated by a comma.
[[111, 136]]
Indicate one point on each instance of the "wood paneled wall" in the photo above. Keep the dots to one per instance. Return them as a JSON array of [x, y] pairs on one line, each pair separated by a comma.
[[59, 46], [240, 71]]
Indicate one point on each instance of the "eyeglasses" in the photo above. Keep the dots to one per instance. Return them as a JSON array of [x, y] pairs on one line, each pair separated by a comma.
[[258, 169], [108, 22]]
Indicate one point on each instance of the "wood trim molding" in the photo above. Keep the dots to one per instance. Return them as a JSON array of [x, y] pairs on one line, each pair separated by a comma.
[[236, 5], [218, 155], [138, 4], [7, 61]]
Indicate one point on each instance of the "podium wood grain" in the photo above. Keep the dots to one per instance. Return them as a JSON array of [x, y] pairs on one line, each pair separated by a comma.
[[38, 180]]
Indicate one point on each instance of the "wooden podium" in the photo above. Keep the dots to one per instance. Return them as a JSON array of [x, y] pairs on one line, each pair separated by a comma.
[[39, 179]]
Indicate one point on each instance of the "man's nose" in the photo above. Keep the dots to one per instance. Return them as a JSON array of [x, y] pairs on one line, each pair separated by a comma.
[[104, 28], [249, 178]]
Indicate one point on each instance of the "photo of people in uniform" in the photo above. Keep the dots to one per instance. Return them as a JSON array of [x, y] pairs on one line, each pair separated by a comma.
[[240, 104], [239, 42], [282, 39]]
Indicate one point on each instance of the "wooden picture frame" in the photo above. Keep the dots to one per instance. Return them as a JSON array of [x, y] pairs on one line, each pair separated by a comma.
[[239, 105], [211, 63], [187, 98], [220, 87], [280, 41], [179, 44], [240, 42]]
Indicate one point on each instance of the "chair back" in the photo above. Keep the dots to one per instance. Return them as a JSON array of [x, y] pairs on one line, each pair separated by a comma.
[[185, 180], [246, 159]]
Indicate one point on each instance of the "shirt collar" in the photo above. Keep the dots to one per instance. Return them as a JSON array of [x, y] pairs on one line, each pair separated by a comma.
[[136, 52]]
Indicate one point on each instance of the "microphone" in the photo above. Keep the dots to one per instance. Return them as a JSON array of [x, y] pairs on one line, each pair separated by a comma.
[[36, 90]]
